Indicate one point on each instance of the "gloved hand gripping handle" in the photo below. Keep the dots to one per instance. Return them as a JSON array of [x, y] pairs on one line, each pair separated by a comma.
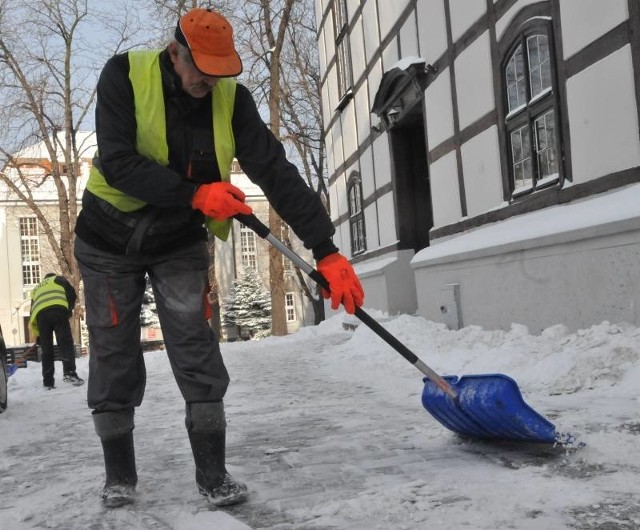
[[251, 221]]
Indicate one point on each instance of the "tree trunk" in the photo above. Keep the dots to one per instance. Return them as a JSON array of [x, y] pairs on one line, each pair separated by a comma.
[[276, 279], [276, 266]]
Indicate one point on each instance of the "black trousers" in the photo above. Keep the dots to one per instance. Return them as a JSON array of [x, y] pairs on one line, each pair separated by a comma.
[[52, 320], [113, 287]]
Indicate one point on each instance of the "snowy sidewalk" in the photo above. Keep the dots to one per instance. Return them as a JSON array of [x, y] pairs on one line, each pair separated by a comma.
[[327, 429]]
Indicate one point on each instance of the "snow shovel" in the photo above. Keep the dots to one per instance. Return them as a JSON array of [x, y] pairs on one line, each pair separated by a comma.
[[488, 406]]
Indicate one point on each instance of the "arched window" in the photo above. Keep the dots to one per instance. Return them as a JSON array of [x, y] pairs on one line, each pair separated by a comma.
[[531, 109], [356, 214]]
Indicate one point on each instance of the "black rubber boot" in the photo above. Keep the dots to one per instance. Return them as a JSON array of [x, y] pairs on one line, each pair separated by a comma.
[[206, 427], [116, 434]]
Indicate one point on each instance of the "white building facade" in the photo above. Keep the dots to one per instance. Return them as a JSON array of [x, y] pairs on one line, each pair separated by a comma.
[[26, 256], [25, 253], [479, 154]]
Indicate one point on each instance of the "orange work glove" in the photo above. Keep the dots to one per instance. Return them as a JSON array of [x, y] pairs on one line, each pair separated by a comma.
[[220, 200], [343, 282]]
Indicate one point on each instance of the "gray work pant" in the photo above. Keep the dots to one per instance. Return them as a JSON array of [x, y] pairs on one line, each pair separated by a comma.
[[113, 286]]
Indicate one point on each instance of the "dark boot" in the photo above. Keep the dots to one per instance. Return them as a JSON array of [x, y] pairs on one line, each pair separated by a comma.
[[116, 434], [206, 427]]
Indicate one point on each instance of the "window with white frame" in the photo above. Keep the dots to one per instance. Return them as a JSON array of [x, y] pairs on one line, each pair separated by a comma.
[[532, 131], [343, 52], [30, 250], [248, 248], [290, 307], [356, 214]]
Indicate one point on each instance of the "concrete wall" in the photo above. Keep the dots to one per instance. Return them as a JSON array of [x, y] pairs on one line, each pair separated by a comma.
[[387, 283], [577, 284], [578, 268]]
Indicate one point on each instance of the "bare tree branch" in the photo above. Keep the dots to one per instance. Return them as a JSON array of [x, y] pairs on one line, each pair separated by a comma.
[[48, 73]]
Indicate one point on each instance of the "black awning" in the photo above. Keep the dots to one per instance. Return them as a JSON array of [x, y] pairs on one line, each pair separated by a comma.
[[400, 89], [392, 86]]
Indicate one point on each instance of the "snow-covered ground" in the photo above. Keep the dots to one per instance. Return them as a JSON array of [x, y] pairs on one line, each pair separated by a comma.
[[327, 428]]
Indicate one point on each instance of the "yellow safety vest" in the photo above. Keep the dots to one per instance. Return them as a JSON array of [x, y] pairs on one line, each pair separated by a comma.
[[46, 294], [151, 137]]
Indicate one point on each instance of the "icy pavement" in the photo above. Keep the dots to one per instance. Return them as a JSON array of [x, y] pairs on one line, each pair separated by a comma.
[[327, 429]]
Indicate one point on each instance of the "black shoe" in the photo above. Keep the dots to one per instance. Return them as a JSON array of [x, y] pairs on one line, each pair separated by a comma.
[[73, 378], [49, 387]]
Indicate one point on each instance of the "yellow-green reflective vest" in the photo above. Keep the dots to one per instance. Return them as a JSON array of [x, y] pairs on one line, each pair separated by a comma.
[[46, 294], [151, 137]]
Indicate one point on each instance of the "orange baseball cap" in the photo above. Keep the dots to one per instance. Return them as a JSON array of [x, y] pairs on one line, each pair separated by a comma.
[[209, 37]]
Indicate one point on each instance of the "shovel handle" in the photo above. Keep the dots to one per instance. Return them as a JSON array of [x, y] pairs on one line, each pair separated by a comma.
[[251, 221]]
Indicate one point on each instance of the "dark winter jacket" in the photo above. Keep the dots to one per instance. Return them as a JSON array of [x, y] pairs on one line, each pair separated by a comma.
[[168, 219]]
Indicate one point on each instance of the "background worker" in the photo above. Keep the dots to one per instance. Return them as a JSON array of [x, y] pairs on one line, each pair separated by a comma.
[[52, 303]]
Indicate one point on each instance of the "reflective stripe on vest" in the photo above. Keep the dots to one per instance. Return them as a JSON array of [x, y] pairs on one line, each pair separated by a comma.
[[47, 294], [151, 135]]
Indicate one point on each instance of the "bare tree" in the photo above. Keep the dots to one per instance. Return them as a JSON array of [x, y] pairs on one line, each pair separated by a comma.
[[284, 74], [278, 43], [302, 119], [50, 56], [169, 11]]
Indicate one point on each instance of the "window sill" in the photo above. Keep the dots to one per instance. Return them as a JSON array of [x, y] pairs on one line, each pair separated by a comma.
[[344, 100], [542, 184]]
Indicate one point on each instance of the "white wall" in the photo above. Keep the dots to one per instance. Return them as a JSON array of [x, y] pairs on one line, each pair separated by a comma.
[[370, 29], [432, 29], [439, 110], [388, 234], [409, 38], [482, 174], [602, 118], [374, 78], [372, 230], [349, 131], [474, 81], [389, 13], [382, 160], [464, 14], [352, 6], [583, 21], [390, 55], [445, 191], [367, 172], [337, 145], [362, 106], [357, 44]]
